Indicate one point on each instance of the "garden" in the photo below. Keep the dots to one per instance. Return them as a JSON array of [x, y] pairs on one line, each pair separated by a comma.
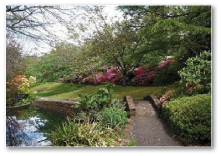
[[166, 55]]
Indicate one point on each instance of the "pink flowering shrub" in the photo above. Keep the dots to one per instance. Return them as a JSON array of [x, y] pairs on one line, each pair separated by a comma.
[[89, 79], [113, 73], [142, 76], [100, 77], [139, 71], [164, 64]]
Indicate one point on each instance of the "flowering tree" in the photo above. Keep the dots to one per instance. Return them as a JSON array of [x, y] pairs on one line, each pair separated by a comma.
[[114, 42], [84, 61]]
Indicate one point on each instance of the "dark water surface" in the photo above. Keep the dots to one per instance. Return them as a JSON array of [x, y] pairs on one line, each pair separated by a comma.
[[31, 126]]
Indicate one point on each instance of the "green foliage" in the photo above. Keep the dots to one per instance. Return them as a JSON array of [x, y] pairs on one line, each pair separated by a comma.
[[169, 75], [177, 92], [97, 100], [198, 70], [190, 118], [113, 117], [82, 134], [93, 103], [171, 30], [132, 143], [117, 103], [56, 64], [26, 100]]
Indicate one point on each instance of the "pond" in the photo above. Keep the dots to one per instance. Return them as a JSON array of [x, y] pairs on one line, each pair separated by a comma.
[[31, 126]]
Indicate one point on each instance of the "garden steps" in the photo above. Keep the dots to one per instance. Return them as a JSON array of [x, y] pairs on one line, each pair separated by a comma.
[[147, 128]]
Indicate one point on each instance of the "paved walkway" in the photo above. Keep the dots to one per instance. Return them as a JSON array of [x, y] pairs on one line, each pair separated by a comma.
[[147, 129]]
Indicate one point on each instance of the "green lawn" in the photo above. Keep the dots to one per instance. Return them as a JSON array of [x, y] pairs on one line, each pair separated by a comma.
[[64, 91]]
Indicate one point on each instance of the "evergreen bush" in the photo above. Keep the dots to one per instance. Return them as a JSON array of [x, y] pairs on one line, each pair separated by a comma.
[[190, 118]]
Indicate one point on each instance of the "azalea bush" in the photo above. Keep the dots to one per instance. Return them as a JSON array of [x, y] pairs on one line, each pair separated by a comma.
[[164, 64], [19, 85], [143, 76], [113, 73], [100, 77], [25, 84]]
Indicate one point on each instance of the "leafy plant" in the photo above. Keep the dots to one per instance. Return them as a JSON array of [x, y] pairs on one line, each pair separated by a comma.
[[71, 133], [117, 103], [167, 74], [22, 83], [132, 143], [93, 103], [113, 117], [198, 71], [190, 118], [26, 100]]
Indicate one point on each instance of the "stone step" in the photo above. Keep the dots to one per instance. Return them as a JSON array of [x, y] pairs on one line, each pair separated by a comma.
[[144, 108]]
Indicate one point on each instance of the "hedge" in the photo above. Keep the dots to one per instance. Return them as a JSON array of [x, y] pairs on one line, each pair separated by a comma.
[[190, 118]]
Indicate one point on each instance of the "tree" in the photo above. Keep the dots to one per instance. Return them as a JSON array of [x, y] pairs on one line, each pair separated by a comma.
[[118, 45], [54, 65], [65, 61], [181, 31], [86, 61], [114, 42], [35, 21], [14, 64]]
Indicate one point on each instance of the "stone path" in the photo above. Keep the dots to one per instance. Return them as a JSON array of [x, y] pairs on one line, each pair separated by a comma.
[[147, 129]]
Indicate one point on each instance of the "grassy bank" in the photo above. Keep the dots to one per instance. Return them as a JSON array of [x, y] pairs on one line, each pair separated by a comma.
[[64, 91]]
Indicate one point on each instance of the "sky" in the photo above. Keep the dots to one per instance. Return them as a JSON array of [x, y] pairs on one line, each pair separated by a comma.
[[30, 48]]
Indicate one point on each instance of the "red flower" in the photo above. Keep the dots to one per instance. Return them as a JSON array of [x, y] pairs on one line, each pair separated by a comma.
[[112, 81], [139, 71], [164, 64]]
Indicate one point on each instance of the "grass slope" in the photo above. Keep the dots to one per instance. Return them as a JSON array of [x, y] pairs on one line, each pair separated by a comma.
[[64, 91]]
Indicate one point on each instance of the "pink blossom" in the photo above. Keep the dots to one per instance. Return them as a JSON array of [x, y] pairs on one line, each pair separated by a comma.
[[138, 71], [164, 64]]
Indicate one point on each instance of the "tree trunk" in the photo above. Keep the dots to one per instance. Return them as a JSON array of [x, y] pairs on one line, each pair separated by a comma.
[[79, 83], [79, 80], [124, 80]]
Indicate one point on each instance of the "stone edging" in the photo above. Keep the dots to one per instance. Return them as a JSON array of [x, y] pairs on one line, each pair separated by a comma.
[[154, 102], [67, 106], [19, 107], [130, 107], [64, 107]]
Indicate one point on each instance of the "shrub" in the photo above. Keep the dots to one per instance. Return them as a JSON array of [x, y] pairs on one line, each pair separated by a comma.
[[168, 74], [139, 71], [113, 117], [93, 103], [113, 73], [190, 118], [198, 71], [71, 133], [144, 78]]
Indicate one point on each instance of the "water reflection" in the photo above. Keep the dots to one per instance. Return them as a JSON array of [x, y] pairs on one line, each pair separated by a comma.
[[31, 127]]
